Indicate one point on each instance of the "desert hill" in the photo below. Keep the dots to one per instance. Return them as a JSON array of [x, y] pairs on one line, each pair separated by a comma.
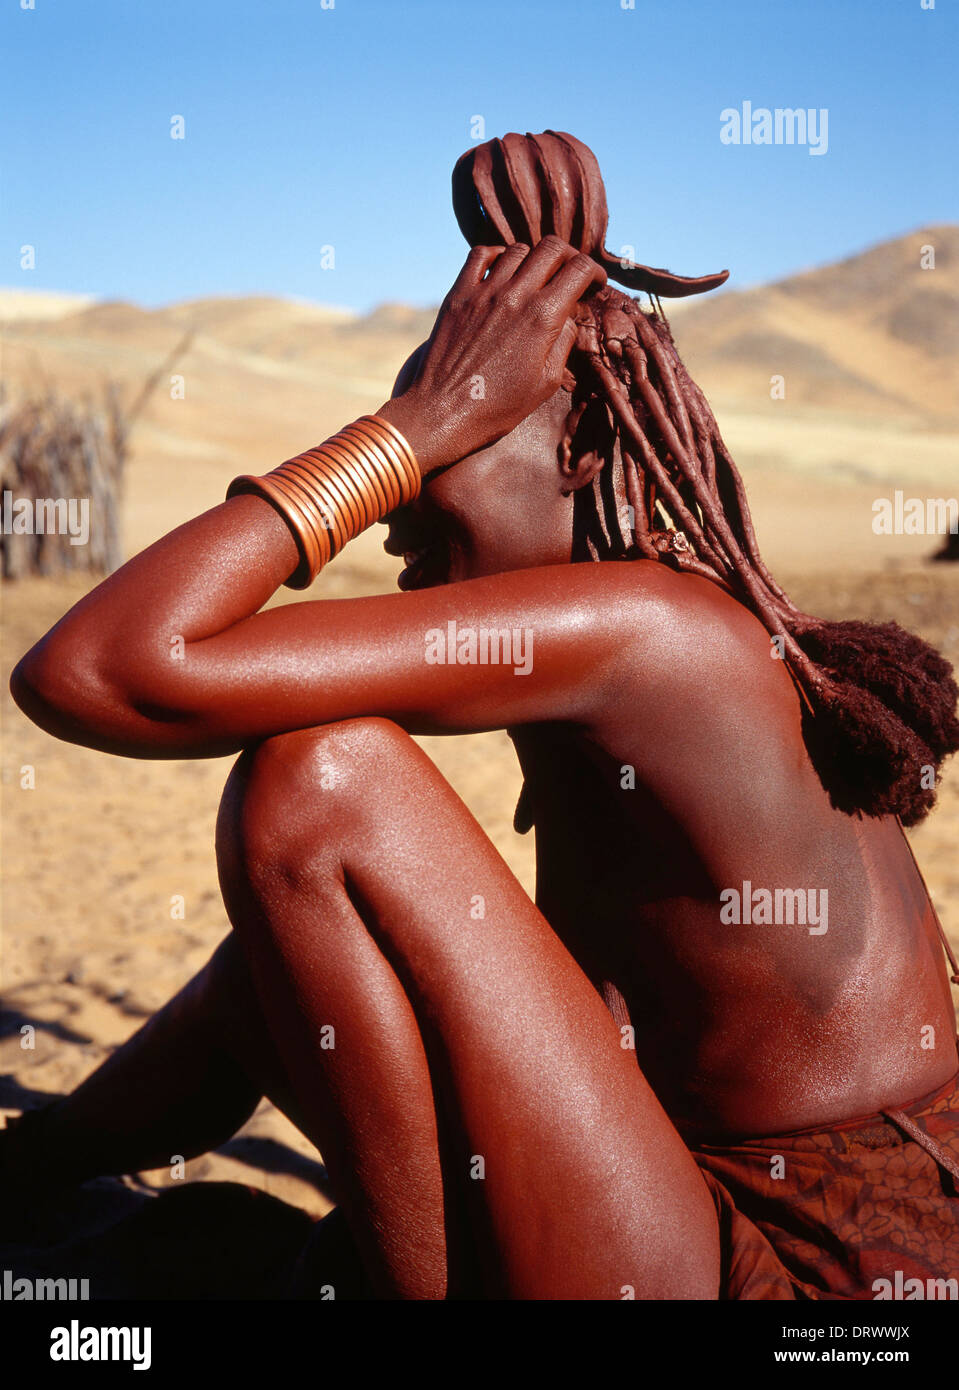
[[868, 349], [872, 333]]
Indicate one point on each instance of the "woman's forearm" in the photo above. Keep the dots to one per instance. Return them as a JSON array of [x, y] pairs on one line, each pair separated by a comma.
[[103, 668], [108, 665], [111, 672]]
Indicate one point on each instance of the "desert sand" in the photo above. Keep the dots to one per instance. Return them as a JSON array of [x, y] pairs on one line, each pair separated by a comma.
[[97, 851]]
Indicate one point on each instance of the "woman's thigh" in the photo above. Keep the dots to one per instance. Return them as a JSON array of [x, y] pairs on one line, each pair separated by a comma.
[[582, 1186]]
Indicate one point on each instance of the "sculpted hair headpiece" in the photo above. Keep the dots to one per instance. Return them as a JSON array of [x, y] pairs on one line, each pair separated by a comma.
[[525, 187], [879, 703]]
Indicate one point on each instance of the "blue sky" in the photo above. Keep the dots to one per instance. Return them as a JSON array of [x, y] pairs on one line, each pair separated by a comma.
[[309, 126]]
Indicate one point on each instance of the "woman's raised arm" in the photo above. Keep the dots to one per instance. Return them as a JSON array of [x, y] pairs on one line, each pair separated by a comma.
[[165, 658]]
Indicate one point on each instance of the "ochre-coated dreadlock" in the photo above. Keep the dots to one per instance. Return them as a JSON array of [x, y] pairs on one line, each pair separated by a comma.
[[880, 703]]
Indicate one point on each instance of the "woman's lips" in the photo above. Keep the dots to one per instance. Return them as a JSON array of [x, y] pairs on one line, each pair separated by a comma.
[[427, 552], [425, 568]]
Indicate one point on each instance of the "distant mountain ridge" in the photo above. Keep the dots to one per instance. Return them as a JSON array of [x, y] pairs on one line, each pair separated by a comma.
[[873, 333]]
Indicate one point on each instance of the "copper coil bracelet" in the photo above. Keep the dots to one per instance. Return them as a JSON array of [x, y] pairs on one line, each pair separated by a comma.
[[333, 492]]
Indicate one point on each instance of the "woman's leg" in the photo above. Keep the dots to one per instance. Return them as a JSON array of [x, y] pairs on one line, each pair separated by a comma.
[[184, 1083], [445, 1049]]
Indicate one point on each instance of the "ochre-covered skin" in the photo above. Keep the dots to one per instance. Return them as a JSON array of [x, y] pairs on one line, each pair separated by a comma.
[[352, 873]]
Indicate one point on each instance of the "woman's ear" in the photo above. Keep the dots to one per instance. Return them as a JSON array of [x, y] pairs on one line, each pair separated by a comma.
[[581, 471], [586, 445]]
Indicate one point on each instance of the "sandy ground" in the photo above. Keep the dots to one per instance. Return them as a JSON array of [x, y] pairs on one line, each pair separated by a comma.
[[97, 850]]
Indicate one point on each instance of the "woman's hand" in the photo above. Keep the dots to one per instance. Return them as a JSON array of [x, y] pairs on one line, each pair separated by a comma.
[[497, 350]]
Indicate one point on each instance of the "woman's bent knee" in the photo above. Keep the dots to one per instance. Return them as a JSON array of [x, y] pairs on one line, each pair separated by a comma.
[[290, 801]]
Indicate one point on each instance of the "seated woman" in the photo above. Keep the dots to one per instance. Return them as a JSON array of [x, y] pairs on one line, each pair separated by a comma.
[[717, 1057]]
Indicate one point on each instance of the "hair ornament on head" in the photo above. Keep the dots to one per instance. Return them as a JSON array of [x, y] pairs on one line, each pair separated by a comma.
[[525, 187]]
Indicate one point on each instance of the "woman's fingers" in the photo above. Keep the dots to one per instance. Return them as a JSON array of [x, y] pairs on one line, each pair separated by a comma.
[[553, 271], [538, 268], [558, 354], [475, 266], [510, 261], [572, 281], [551, 264], [529, 270]]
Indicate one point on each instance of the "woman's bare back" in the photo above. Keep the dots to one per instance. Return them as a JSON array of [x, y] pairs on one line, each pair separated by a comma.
[[780, 959]]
